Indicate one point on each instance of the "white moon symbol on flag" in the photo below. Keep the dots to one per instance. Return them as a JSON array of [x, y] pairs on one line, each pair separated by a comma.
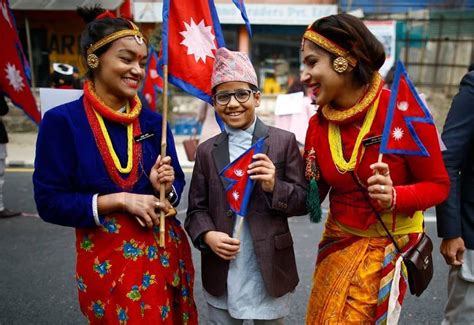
[[239, 172], [403, 106]]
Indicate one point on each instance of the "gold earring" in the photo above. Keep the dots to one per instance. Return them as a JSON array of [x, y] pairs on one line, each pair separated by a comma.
[[92, 61], [340, 64]]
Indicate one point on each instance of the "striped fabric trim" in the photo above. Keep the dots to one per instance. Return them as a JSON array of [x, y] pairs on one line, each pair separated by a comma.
[[394, 282], [330, 245]]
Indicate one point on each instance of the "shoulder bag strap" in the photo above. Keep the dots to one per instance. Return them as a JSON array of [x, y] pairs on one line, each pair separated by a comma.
[[379, 218]]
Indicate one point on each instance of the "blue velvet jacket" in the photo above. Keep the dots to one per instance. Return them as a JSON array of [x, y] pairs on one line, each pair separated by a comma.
[[69, 169]]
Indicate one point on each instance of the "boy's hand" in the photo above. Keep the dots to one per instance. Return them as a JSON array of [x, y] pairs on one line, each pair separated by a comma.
[[162, 172], [263, 170], [224, 246]]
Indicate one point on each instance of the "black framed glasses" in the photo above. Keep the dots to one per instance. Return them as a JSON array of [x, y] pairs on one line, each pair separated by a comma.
[[241, 95]]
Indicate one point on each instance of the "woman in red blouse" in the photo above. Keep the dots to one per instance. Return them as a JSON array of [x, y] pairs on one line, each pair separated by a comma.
[[358, 276]]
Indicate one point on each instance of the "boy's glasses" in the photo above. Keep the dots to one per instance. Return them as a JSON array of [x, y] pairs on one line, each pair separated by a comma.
[[241, 95]]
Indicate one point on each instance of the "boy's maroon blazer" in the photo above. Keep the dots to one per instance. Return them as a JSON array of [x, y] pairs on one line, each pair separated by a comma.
[[267, 215]]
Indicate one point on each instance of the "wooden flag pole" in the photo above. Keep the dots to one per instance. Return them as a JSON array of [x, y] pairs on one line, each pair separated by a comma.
[[164, 133], [380, 157], [379, 160], [239, 228]]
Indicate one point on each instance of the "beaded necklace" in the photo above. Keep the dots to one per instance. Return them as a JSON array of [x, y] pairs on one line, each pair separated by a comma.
[[335, 141], [110, 147], [353, 113], [104, 110], [96, 110]]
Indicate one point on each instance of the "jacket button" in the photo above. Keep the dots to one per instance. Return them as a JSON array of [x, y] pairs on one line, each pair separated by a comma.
[[230, 213]]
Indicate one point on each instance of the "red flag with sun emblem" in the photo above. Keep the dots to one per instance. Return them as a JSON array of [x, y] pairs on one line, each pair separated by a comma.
[[240, 188], [191, 35], [13, 77], [153, 81], [405, 109]]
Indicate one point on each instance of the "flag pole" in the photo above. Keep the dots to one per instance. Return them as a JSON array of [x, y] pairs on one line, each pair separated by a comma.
[[164, 133], [30, 55], [379, 160], [239, 228]]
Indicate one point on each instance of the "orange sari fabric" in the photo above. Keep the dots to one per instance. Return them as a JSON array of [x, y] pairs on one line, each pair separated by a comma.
[[346, 281]]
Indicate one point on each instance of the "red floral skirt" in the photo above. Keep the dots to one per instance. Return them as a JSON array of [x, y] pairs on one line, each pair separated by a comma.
[[124, 277]]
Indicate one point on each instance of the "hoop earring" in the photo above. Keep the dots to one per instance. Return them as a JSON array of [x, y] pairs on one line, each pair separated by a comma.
[[92, 61], [340, 64]]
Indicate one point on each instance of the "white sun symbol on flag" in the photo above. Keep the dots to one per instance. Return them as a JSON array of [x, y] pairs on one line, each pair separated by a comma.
[[14, 77], [199, 40], [236, 195], [397, 133], [239, 172]]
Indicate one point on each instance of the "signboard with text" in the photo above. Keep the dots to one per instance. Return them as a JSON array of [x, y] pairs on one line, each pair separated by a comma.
[[385, 31], [259, 14]]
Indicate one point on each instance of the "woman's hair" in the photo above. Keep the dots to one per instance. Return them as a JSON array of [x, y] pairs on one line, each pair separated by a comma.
[[96, 29], [351, 34]]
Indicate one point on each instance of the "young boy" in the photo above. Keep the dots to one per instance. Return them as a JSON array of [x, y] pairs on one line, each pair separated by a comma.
[[250, 278]]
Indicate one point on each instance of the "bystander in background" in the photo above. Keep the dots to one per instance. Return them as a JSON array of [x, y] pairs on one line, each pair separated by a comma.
[[294, 109], [455, 216], [62, 76], [77, 81], [4, 212]]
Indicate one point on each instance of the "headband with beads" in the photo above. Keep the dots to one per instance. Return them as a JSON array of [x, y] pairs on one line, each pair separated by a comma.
[[92, 58], [343, 60]]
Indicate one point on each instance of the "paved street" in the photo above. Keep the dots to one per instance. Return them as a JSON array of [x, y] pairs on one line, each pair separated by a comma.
[[37, 262]]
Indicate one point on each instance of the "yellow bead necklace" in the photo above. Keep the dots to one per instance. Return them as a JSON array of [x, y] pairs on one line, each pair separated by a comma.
[[110, 147], [335, 141]]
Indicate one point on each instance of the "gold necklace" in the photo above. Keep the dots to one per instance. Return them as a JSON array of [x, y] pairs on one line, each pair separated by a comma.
[[338, 116], [110, 147], [335, 141]]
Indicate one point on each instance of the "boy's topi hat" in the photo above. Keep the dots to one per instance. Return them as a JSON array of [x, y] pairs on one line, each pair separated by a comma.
[[232, 66]]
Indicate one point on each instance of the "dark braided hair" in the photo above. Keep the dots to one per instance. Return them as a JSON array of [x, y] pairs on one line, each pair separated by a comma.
[[96, 29], [350, 33]]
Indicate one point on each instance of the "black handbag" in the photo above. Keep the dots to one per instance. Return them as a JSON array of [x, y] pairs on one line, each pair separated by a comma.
[[419, 263]]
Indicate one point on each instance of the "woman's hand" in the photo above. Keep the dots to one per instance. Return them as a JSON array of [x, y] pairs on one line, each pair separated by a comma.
[[145, 207], [162, 173], [263, 171], [224, 246], [380, 185]]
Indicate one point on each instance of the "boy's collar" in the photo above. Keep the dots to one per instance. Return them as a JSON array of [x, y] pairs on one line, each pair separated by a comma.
[[232, 131]]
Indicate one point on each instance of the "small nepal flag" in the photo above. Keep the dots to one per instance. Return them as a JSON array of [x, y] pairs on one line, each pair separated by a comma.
[[14, 67], [405, 110], [240, 188], [153, 81], [191, 35], [240, 5]]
